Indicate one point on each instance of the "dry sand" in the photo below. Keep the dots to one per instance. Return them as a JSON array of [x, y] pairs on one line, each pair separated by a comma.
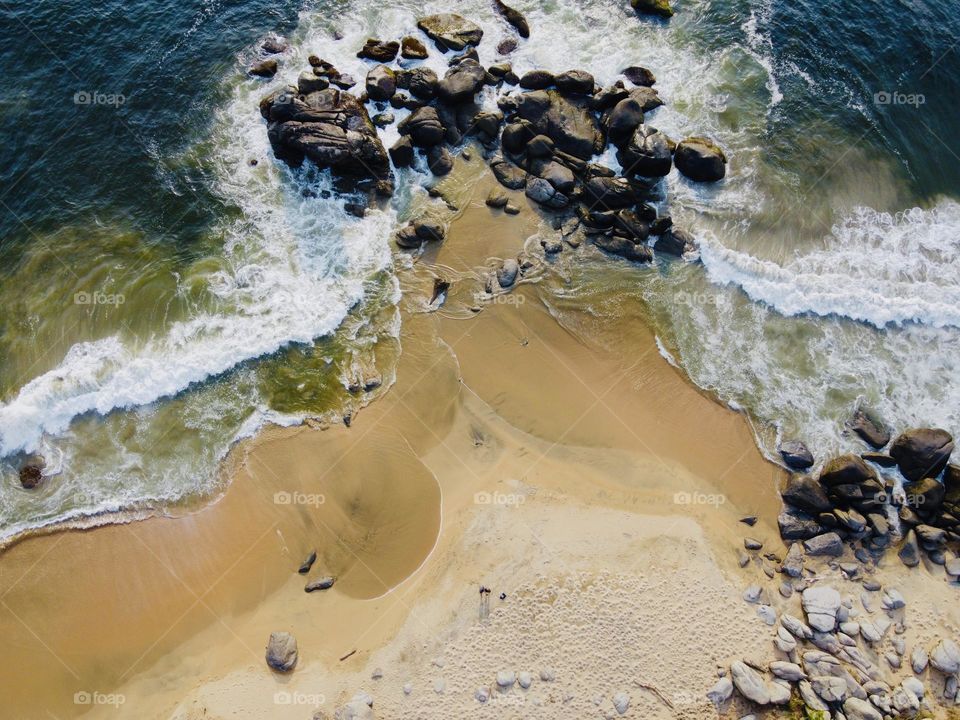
[[598, 490]]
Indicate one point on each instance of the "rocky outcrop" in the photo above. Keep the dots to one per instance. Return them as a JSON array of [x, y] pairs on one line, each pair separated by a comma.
[[565, 120], [659, 8], [462, 82], [329, 127], [382, 52], [647, 154], [450, 31]]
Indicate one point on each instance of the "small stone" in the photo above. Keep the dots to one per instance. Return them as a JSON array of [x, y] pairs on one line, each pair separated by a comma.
[[787, 671], [750, 683], [919, 660], [281, 651], [511, 209], [786, 589], [893, 600], [482, 694], [621, 702], [793, 563], [743, 559], [524, 680], [720, 692], [506, 679], [547, 675], [407, 688], [439, 686], [324, 583], [308, 563], [752, 594], [752, 544], [497, 198]]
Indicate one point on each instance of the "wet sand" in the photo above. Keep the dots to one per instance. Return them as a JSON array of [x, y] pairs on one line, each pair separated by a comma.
[[508, 453]]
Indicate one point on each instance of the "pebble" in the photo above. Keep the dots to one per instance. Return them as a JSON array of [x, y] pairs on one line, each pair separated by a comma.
[[506, 678], [892, 600], [525, 680], [752, 594], [720, 692], [793, 563], [919, 660], [786, 589], [511, 209], [767, 614], [377, 674], [946, 657], [752, 544], [439, 685], [407, 688], [743, 559], [621, 702], [871, 585], [482, 694], [547, 675], [787, 671]]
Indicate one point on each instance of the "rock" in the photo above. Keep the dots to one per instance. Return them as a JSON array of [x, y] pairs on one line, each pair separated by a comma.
[[952, 567], [919, 660], [857, 709], [541, 191], [507, 273], [514, 17], [497, 198], [892, 600], [424, 127], [750, 683], [439, 160], [274, 45], [31, 475], [412, 49], [308, 563], [621, 702], [331, 128], [482, 694], [925, 496], [623, 121], [560, 176], [905, 702], [909, 552], [806, 494], [721, 692], [507, 46], [538, 79], [828, 688], [488, 123], [540, 147], [575, 82], [660, 8], [846, 470], [343, 81], [624, 247], [869, 430], [648, 98], [787, 671], [506, 679], [381, 83], [423, 83], [797, 525], [752, 544], [382, 52], [639, 76], [566, 120], [450, 31], [675, 242], [647, 154], [796, 455], [922, 453], [881, 459], [511, 209], [265, 68], [281, 651], [767, 614], [795, 627], [429, 230], [547, 675], [793, 563], [700, 160], [945, 657], [821, 604], [402, 152], [381, 120], [611, 193], [508, 174], [826, 544], [324, 583], [407, 688], [462, 82], [524, 680], [359, 708]]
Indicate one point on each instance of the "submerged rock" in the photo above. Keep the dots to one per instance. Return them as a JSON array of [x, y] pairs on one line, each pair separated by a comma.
[[31, 474], [870, 430], [265, 68]]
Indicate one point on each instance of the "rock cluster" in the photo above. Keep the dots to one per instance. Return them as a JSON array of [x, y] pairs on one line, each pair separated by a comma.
[[859, 499]]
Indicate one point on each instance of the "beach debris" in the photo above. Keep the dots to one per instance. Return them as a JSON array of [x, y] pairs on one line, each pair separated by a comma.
[[308, 563], [281, 653]]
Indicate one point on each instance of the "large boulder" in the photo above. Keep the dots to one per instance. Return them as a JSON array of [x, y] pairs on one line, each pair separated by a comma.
[[507, 174], [462, 82], [624, 247], [379, 50], [450, 31], [925, 496], [331, 128], [798, 525], [945, 657], [701, 160], [611, 193], [796, 455], [412, 49], [806, 494], [281, 651], [514, 17], [544, 193], [639, 76], [424, 127], [846, 470], [674, 241], [821, 604], [381, 83], [423, 83], [575, 82], [922, 452], [750, 683], [648, 98], [623, 121], [647, 154], [660, 8], [870, 430], [567, 121]]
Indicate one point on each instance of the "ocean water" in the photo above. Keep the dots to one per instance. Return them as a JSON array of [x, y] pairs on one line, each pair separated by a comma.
[[162, 295]]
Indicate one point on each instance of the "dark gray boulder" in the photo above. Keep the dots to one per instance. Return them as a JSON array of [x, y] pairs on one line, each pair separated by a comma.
[[909, 552], [265, 68], [700, 160], [309, 82], [674, 241], [639, 76], [450, 31], [870, 430], [381, 83], [382, 52], [514, 17], [825, 544], [611, 193], [846, 470], [412, 49], [560, 176], [423, 83], [537, 80], [797, 525], [925, 496], [624, 247], [806, 494], [461, 82], [517, 135], [508, 174], [542, 192], [402, 152], [623, 121], [796, 455], [575, 82], [922, 452], [647, 154], [439, 160], [424, 127], [648, 98], [565, 120], [658, 8]]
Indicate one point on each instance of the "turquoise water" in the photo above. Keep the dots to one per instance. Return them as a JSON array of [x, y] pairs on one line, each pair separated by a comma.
[[162, 296]]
